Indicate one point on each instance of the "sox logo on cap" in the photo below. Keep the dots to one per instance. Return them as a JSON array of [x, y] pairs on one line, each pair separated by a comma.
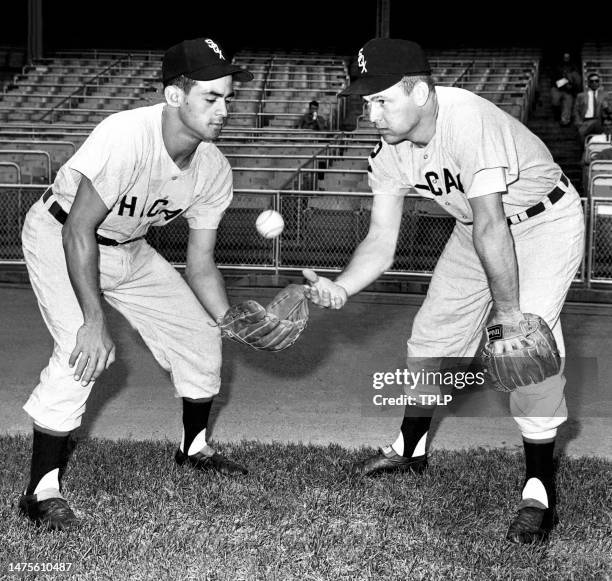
[[213, 46], [361, 61]]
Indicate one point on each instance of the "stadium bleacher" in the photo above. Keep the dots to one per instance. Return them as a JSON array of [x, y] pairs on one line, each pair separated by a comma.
[[317, 179]]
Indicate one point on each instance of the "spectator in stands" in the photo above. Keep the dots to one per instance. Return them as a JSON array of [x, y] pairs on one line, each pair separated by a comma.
[[566, 83], [311, 119], [590, 108]]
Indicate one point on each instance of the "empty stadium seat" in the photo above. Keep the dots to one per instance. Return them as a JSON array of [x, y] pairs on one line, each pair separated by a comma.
[[261, 178], [601, 186], [343, 180], [35, 165], [10, 173], [59, 151]]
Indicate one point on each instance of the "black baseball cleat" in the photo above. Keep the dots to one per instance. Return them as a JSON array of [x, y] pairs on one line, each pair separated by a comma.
[[52, 513], [216, 462], [531, 525], [387, 460]]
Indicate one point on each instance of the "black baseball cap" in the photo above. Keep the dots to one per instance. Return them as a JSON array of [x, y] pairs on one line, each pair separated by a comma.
[[200, 59], [383, 62]]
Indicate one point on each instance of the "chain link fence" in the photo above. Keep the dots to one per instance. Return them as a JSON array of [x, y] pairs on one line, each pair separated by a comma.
[[599, 263], [15, 201], [321, 231]]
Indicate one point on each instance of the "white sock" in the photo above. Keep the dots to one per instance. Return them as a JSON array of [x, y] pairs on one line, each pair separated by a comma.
[[398, 445], [535, 489], [198, 443], [49, 481], [419, 449]]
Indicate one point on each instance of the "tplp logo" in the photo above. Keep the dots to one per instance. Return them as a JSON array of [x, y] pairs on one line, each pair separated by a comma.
[[213, 46], [361, 61]]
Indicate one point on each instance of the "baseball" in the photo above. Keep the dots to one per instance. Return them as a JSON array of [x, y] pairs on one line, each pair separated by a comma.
[[269, 224]]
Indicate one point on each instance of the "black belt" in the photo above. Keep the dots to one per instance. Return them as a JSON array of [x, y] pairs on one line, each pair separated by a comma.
[[60, 215], [551, 199]]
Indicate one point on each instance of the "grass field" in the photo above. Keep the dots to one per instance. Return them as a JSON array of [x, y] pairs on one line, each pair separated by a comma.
[[298, 515]]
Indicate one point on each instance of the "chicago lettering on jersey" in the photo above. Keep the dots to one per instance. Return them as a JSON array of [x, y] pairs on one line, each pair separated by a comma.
[[434, 185], [168, 214], [128, 207]]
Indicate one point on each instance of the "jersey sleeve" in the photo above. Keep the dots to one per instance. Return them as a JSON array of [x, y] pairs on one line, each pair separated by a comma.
[[215, 196], [109, 158], [384, 176], [483, 145], [488, 181]]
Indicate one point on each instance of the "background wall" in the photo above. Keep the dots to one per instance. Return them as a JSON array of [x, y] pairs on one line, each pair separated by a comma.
[[319, 24]]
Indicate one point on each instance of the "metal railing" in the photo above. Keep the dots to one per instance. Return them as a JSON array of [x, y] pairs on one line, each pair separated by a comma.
[[33, 163], [322, 229]]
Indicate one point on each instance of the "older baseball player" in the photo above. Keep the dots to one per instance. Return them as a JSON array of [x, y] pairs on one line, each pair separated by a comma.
[[84, 239], [516, 246]]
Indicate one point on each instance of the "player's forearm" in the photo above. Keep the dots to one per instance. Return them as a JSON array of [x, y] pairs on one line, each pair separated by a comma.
[[495, 248], [209, 288], [371, 259], [82, 256]]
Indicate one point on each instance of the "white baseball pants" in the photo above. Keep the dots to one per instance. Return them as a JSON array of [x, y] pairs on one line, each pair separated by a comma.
[[141, 285], [549, 249]]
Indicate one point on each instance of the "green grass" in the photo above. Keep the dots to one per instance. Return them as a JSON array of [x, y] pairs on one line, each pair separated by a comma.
[[298, 515]]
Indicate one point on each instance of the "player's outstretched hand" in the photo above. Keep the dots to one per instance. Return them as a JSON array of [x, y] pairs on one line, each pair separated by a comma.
[[93, 353], [323, 291]]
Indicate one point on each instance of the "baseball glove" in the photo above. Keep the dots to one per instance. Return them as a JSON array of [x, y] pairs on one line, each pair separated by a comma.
[[248, 323], [519, 355], [290, 306], [273, 328]]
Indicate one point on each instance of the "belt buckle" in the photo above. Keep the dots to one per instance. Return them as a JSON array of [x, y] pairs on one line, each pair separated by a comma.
[[522, 216]]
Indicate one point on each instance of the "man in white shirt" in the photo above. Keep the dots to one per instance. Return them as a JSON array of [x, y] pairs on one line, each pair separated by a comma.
[[589, 107]]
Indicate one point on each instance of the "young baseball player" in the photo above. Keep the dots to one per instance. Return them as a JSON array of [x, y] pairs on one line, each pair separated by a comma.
[[516, 246], [84, 239]]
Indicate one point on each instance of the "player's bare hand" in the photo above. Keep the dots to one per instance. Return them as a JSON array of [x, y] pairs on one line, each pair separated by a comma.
[[93, 353], [323, 291], [506, 317]]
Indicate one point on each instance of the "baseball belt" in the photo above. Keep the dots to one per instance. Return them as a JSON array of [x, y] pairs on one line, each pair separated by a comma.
[[546, 203], [60, 215]]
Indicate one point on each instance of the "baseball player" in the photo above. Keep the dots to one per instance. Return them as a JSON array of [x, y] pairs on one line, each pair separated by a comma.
[[84, 239], [516, 246]]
